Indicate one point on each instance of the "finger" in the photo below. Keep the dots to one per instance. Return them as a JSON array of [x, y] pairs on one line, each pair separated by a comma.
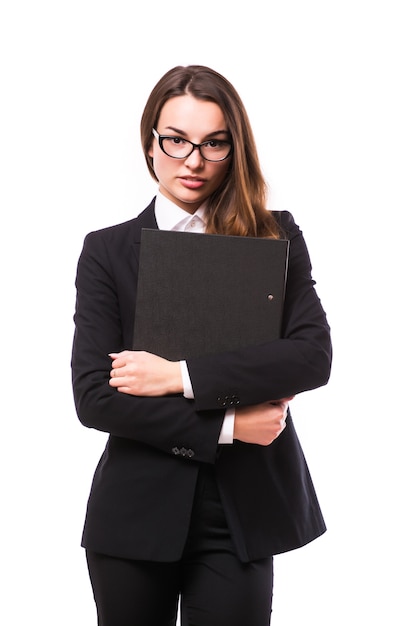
[[126, 390], [117, 381], [119, 357], [283, 406], [288, 399], [118, 363], [282, 401], [117, 371]]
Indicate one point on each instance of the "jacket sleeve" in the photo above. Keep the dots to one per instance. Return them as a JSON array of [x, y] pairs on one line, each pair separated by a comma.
[[297, 362], [103, 324]]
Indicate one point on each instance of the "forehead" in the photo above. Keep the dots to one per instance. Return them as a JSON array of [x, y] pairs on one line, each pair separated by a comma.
[[191, 116]]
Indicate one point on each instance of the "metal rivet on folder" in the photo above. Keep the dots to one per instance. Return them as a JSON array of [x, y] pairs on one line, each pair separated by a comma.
[[270, 297]]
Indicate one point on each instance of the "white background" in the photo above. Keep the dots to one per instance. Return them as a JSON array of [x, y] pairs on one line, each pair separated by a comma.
[[330, 87]]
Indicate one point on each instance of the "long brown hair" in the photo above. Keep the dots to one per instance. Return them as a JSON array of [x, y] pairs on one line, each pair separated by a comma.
[[238, 207]]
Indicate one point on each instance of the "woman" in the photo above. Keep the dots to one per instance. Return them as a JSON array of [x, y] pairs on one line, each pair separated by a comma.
[[203, 479]]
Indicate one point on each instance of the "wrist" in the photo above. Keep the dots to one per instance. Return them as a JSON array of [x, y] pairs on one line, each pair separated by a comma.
[[175, 378]]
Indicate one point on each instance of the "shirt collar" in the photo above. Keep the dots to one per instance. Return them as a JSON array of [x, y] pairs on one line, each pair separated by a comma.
[[169, 216]]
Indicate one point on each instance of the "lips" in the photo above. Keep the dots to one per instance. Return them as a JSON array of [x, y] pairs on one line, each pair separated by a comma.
[[192, 182]]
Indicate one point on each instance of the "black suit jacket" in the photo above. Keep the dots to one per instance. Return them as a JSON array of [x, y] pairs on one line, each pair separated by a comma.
[[142, 491]]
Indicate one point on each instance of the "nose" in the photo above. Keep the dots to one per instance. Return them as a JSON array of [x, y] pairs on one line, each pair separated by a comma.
[[194, 160]]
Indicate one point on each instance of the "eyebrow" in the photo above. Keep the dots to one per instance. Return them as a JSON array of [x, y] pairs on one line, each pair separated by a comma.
[[212, 134]]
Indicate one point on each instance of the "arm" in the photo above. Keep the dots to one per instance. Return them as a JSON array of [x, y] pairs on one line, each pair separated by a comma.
[[141, 373], [103, 324], [300, 361]]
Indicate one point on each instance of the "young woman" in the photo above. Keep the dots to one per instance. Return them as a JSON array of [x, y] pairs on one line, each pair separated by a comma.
[[203, 478]]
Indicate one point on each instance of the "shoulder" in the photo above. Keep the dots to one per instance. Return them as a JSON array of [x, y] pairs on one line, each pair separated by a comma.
[[124, 232], [299, 256], [115, 231], [286, 222]]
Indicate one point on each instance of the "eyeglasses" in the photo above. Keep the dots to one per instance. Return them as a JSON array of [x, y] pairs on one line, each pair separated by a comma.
[[179, 148]]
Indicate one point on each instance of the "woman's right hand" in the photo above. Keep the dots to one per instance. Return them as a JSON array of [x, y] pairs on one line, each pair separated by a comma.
[[261, 423]]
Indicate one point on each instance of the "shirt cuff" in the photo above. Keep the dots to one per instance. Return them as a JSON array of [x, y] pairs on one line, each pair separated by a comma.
[[186, 381], [226, 433]]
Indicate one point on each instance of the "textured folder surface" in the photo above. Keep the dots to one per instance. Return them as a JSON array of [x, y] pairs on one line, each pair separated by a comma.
[[201, 293]]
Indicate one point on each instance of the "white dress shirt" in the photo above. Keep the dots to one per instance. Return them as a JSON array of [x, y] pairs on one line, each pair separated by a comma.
[[169, 216]]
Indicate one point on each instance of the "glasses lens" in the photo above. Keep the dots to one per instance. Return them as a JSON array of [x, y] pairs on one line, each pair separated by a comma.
[[215, 150], [177, 147], [181, 148]]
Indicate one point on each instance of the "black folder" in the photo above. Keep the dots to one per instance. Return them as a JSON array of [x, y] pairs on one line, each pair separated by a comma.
[[199, 293]]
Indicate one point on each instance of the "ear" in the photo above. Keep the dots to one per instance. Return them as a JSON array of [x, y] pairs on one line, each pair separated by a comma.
[[150, 151]]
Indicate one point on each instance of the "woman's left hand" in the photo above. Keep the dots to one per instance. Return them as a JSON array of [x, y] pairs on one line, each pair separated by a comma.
[[140, 373]]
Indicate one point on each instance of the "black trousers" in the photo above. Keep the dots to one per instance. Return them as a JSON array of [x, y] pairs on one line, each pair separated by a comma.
[[215, 588]]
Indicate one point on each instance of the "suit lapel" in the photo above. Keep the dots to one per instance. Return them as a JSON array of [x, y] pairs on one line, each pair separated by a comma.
[[146, 219]]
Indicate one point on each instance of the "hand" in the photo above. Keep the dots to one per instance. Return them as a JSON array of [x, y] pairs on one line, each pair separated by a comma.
[[141, 373], [261, 423]]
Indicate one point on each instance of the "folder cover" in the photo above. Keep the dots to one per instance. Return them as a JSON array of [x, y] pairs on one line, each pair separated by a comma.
[[200, 293]]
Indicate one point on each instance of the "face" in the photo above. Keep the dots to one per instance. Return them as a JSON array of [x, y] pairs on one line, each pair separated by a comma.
[[188, 182]]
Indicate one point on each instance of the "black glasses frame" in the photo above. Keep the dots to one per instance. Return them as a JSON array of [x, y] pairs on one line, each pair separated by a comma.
[[161, 138]]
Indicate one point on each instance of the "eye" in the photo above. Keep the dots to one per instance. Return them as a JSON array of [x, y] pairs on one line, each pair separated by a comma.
[[176, 141], [216, 144]]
